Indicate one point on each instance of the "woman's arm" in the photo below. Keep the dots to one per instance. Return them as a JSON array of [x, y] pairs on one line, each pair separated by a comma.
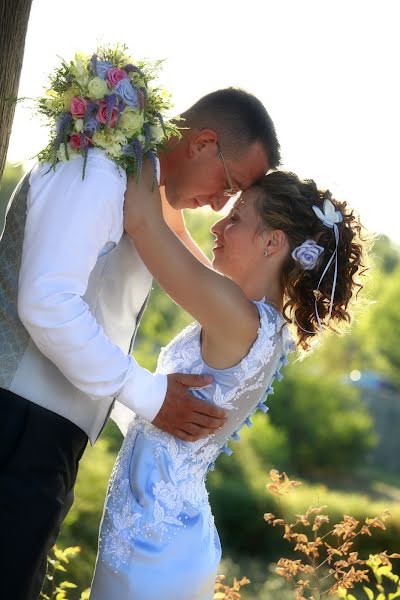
[[176, 222], [215, 301]]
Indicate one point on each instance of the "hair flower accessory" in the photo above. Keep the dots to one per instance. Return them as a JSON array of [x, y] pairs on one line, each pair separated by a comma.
[[329, 216], [107, 102], [307, 254]]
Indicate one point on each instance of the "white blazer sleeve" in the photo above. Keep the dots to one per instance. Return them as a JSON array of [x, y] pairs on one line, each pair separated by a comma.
[[68, 222]]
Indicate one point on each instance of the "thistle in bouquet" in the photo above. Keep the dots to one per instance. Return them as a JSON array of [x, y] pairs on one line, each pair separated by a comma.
[[108, 101]]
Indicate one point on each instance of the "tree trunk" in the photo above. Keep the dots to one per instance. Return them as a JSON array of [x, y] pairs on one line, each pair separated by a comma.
[[14, 17]]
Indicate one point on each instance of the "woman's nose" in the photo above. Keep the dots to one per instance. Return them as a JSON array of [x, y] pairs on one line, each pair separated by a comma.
[[217, 228]]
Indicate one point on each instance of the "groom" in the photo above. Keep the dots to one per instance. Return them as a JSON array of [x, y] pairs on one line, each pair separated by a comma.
[[72, 291]]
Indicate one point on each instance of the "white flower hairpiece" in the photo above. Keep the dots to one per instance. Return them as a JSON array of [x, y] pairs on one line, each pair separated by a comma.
[[329, 216], [307, 254]]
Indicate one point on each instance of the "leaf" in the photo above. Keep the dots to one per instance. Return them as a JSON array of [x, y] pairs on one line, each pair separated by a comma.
[[67, 585], [368, 592], [60, 554]]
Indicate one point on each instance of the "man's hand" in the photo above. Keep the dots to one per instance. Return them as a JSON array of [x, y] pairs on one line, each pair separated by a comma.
[[184, 415]]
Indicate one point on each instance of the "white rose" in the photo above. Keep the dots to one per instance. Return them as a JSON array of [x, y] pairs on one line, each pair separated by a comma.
[[78, 125], [52, 100], [157, 133], [61, 154], [131, 121], [111, 140], [79, 70], [97, 88]]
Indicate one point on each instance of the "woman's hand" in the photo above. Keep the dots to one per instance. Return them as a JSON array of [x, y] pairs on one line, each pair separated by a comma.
[[142, 201]]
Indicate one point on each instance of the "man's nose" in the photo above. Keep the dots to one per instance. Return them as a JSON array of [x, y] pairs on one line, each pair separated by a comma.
[[218, 201]]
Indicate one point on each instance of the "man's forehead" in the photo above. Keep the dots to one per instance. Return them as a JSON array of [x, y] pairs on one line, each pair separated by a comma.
[[251, 167]]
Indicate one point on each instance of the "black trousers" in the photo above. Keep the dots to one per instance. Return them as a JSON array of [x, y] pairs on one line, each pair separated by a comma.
[[39, 456]]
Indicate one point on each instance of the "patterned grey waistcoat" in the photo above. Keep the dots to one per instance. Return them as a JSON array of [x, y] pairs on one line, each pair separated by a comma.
[[116, 294]]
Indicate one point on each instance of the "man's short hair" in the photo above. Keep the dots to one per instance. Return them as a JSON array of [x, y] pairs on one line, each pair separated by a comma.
[[239, 119]]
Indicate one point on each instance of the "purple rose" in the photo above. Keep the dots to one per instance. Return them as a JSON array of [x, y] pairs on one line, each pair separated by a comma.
[[125, 90], [102, 67], [91, 126], [307, 254]]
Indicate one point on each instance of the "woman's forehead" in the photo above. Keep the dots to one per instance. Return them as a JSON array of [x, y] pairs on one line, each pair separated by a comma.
[[245, 199]]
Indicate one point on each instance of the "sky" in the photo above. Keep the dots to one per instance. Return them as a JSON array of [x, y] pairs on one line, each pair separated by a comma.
[[327, 72]]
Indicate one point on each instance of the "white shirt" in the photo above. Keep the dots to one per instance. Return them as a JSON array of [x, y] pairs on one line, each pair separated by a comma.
[[70, 223]]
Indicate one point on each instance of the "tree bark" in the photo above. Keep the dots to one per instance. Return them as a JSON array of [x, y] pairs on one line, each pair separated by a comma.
[[14, 17]]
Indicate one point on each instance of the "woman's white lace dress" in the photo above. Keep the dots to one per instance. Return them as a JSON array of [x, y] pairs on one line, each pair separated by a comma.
[[158, 540]]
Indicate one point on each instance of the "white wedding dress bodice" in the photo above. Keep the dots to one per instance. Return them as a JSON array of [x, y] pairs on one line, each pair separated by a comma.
[[158, 539]]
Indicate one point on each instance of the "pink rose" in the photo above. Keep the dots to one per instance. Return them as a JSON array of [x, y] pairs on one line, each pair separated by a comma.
[[77, 142], [114, 75], [102, 114], [78, 107]]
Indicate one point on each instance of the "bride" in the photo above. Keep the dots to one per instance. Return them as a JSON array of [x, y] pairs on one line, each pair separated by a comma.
[[287, 252]]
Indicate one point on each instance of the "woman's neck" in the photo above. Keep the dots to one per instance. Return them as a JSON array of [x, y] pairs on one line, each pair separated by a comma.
[[269, 288]]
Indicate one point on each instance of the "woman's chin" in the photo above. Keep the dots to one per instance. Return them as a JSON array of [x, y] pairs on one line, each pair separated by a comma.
[[218, 266]]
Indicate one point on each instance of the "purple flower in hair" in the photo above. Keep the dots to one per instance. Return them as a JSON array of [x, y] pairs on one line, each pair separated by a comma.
[[126, 91], [307, 254]]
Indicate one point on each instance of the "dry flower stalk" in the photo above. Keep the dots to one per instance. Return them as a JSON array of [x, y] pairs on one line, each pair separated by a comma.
[[327, 568]]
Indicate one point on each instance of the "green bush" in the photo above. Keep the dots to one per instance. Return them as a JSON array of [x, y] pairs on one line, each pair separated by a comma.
[[327, 425]]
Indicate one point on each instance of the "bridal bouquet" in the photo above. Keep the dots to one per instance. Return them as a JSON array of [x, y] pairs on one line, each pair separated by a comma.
[[107, 101]]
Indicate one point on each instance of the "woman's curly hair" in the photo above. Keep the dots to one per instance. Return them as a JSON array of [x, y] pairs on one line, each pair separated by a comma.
[[285, 202]]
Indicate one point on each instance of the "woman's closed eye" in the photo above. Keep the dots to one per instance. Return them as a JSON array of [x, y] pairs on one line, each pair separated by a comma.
[[233, 216]]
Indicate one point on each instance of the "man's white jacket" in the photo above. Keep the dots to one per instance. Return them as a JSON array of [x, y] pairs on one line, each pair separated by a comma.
[[72, 286]]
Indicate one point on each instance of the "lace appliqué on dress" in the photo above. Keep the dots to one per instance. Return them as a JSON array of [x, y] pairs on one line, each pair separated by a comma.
[[183, 489]]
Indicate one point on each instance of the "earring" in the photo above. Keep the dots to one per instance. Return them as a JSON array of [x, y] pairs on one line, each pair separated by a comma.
[[265, 252]]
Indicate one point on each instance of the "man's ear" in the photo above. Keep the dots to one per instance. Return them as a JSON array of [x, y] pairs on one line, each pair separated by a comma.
[[202, 140]]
